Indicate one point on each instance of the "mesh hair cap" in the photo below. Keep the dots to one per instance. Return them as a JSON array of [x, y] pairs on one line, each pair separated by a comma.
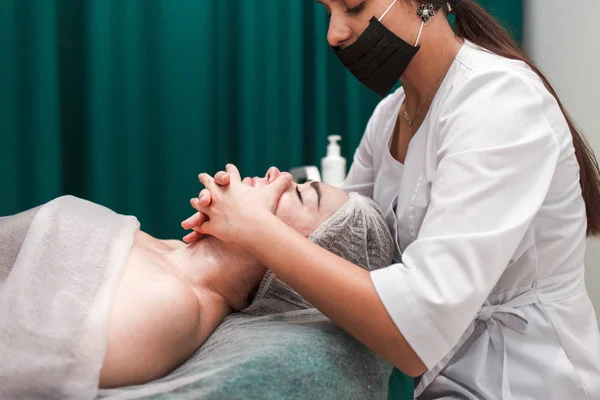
[[357, 232]]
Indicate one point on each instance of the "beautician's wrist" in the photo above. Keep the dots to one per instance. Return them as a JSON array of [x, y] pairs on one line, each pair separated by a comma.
[[256, 227]]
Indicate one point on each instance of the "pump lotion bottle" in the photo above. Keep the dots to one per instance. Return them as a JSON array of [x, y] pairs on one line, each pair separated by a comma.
[[333, 166]]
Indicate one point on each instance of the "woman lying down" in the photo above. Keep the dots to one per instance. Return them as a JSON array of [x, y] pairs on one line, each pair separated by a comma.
[[86, 297]]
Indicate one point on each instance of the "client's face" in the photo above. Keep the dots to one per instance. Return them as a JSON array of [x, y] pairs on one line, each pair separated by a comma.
[[303, 207]]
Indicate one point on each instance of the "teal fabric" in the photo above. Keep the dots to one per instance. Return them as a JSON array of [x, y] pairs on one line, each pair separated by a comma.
[[125, 102], [507, 12], [400, 386], [297, 355]]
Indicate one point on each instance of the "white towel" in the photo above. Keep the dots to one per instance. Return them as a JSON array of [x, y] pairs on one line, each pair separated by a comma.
[[60, 266]]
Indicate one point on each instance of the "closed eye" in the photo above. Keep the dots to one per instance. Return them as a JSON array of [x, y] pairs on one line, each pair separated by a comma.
[[356, 10]]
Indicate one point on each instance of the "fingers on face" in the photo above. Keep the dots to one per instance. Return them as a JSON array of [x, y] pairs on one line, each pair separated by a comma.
[[205, 210], [195, 202], [192, 221], [233, 172], [192, 237], [206, 180], [222, 178], [282, 182], [205, 197]]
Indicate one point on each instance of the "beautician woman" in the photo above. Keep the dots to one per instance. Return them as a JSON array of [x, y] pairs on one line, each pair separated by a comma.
[[485, 183]]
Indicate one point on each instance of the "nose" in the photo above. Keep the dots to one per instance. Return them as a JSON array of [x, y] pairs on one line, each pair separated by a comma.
[[272, 174], [338, 33]]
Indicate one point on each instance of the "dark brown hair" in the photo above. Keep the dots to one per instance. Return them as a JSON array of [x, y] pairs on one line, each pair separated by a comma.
[[476, 25]]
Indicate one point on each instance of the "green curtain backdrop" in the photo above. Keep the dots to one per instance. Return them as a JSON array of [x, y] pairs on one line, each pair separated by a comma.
[[124, 102]]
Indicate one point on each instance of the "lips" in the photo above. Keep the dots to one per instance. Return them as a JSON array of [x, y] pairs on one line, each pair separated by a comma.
[[248, 181]]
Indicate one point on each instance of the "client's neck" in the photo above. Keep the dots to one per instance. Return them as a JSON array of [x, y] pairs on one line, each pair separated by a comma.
[[213, 267]]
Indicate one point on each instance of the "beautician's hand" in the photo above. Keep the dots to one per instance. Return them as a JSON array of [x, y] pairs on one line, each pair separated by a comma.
[[195, 221], [191, 224], [237, 207], [222, 178]]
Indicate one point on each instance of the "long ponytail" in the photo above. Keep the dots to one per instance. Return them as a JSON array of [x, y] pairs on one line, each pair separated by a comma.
[[473, 23]]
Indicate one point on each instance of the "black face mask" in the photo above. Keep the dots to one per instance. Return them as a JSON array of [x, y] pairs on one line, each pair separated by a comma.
[[378, 58]]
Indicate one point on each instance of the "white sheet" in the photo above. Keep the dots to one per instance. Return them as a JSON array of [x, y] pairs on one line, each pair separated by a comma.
[[60, 265]]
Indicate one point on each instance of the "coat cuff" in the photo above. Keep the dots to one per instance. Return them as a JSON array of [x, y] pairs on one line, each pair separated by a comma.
[[398, 289]]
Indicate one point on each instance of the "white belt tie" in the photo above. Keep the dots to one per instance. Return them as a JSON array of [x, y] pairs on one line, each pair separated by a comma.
[[497, 316]]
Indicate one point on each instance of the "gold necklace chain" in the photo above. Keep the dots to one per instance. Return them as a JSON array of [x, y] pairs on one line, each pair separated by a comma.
[[411, 121]]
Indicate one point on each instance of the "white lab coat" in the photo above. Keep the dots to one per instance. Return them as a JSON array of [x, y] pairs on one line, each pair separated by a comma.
[[489, 224]]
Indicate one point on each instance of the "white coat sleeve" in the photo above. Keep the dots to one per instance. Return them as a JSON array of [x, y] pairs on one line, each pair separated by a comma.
[[496, 157], [361, 177]]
